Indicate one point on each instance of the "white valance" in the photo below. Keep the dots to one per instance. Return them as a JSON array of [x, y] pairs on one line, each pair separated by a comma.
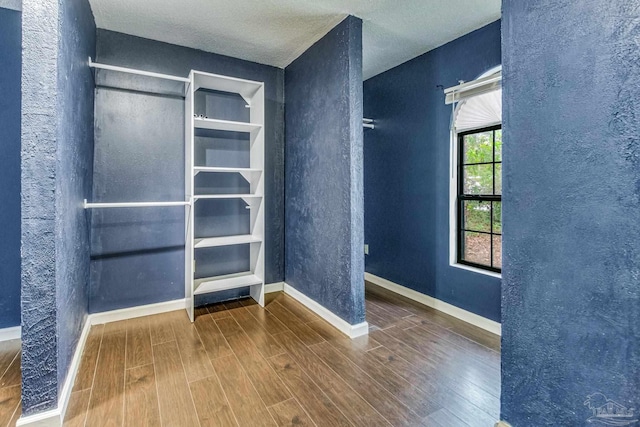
[[476, 87]]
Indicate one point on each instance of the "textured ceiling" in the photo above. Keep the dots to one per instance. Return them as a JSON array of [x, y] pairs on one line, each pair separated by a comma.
[[275, 32]]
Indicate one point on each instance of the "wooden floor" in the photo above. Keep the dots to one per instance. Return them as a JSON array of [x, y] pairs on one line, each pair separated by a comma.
[[240, 364], [10, 382]]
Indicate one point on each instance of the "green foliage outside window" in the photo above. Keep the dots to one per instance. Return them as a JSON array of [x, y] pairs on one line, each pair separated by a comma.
[[478, 179], [481, 198]]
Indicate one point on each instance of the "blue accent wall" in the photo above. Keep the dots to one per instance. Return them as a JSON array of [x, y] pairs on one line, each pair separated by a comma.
[[138, 254], [571, 294], [406, 172], [324, 190], [74, 174], [10, 100], [57, 147]]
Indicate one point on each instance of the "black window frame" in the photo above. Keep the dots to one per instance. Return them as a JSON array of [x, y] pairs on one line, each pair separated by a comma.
[[461, 197]]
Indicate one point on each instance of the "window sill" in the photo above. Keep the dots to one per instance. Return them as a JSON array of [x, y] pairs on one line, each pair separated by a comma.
[[477, 270]]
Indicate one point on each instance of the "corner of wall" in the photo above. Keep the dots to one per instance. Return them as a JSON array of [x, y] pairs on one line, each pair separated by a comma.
[[323, 179], [57, 136], [39, 144]]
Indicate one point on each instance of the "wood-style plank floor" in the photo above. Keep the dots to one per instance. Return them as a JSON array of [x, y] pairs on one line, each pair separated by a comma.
[[10, 382], [243, 365]]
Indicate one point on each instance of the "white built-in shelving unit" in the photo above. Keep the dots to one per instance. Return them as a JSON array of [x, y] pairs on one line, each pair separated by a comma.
[[212, 120], [252, 172]]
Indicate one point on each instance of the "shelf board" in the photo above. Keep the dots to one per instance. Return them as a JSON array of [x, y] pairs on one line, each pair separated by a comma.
[[216, 124], [211, 242], [227, 196], [199, 169], [109, 76], [222, 283], [246, 88], [137, 72]]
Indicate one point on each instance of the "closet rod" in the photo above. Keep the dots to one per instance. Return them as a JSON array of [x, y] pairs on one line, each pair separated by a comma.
[[132, 205], [137, 72]]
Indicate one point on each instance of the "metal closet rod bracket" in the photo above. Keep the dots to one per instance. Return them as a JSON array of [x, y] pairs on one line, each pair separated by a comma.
[[368, 123]]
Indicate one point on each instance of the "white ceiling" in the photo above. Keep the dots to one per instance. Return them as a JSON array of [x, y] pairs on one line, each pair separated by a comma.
[[275, 32]]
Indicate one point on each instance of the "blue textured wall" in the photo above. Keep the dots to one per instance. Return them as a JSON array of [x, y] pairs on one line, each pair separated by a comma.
[[39, 145], [11, 54], [138, 254], [571, 294], [406, 176], [57, 146], [324, 206], [74, 174]]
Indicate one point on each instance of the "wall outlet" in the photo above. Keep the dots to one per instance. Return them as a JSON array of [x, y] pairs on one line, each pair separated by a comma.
[[366, 249]]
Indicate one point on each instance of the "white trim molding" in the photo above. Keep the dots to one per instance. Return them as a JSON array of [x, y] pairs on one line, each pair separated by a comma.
[[55, 417], [139, 311], [11, 4], [65, 394], [453, 211], [42, 419], [352, 331], [274, 287], [452, 310], [488, 81], [8, 334], [476, 270]]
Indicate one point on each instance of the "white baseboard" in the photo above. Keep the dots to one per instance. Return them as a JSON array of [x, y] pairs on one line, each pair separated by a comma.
[[8, 334], [452, 310], [139, 311], [352, 331], [273, 287], [55, 417], [42, 419], [65, 394]]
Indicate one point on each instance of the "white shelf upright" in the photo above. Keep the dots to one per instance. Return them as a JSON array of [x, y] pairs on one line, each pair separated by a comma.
[[253, 95]]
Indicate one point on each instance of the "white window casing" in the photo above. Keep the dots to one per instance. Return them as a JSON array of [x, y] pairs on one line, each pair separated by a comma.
[[475, 105]]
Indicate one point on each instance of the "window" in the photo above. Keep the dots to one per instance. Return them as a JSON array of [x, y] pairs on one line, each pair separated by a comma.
[[479, 198], [475, 186]]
